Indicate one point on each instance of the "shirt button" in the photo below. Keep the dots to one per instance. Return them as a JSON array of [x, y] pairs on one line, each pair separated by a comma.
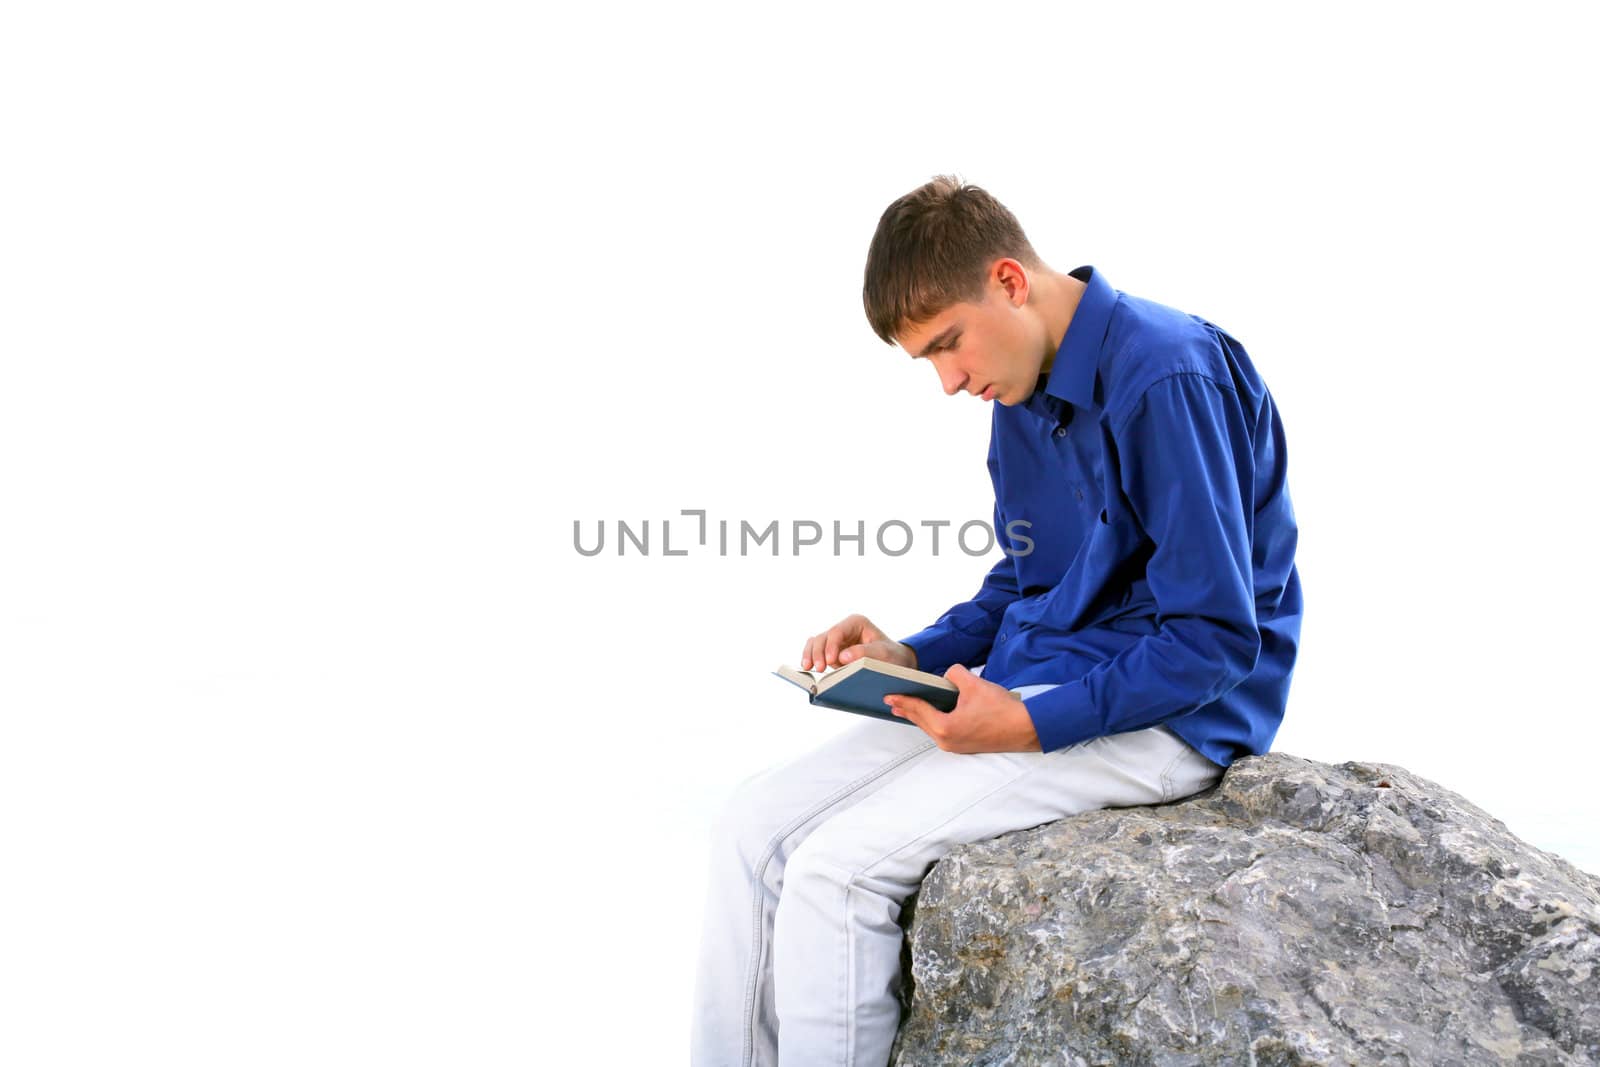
[[1061, 431]]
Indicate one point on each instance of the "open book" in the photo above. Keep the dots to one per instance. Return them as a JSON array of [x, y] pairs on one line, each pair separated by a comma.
[[861, 687]]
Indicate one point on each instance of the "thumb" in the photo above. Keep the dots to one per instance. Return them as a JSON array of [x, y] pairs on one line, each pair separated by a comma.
[[960, 676], [849, 655]]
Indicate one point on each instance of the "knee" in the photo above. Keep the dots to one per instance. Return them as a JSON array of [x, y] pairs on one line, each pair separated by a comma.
[[863, 856], [747, 823], [827, 856], [831, 870]]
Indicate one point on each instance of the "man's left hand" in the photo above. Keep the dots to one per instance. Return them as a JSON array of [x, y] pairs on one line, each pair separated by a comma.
[[987, 718]]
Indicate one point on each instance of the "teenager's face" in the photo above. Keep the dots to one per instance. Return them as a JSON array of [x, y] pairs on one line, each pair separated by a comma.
[[990, 348]]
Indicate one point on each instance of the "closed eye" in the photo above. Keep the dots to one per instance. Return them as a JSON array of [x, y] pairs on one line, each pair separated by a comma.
[[946, 339]]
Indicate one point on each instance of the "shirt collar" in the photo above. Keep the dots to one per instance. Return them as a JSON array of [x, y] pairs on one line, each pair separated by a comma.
[[1072, 373]]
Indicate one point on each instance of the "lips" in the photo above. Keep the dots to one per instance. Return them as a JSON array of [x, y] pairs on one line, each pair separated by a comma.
[[988, 392]]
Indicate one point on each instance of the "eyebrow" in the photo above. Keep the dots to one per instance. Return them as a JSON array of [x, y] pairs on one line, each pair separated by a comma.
[[944, 335]]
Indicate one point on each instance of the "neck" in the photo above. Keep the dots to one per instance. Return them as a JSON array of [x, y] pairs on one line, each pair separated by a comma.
[[1058, 302]]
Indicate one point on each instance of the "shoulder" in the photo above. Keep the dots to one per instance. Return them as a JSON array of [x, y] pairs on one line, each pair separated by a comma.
[[1147, 343]]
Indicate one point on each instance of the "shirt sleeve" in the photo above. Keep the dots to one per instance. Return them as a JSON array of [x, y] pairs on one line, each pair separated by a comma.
[[1187, 470], [965, 634]]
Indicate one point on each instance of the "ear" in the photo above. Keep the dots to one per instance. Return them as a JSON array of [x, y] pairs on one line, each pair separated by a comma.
[[1012, 279]]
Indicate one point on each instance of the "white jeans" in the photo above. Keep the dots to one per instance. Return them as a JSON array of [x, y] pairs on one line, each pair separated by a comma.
[[811, 860]]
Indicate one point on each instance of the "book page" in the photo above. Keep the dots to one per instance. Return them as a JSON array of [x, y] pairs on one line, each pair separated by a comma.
[[806, 680]]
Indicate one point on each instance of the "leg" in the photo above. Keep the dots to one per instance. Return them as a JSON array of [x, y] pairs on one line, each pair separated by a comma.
[[734, 1023], [836, 947]]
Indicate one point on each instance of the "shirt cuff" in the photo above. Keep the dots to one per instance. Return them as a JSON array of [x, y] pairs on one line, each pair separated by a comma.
[[938, 648], [1063, 716]]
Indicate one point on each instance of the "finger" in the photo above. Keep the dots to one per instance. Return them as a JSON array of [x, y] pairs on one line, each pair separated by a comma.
[[850, 654], [913, 708], [835, 639], [813, 649], [960, 677]]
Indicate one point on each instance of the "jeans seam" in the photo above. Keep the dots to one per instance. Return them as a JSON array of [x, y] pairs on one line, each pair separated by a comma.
[[1167, 787], [748, 1052], [847, 972]]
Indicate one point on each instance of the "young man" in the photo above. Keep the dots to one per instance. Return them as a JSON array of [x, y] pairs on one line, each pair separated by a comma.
[[1149, 631]]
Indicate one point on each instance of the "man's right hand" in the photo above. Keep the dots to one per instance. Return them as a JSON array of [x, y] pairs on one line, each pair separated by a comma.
[[848, 641]]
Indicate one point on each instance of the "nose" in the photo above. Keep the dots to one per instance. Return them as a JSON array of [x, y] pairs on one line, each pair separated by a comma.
[[952, 380]]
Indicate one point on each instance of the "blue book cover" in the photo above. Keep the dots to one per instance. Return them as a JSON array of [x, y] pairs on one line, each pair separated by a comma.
[[861, 687]]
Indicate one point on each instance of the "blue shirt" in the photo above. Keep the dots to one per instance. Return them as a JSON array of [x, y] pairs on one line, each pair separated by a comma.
[[1148, 471]]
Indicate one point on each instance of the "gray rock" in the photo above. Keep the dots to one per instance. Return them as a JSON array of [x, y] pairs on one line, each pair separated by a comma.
[[1297, 913]]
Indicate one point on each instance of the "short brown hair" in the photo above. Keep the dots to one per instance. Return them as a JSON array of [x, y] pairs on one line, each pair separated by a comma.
[[933, 248]]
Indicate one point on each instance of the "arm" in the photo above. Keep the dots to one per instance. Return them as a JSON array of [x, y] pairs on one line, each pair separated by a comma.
[[1188, 471], [966, 632]]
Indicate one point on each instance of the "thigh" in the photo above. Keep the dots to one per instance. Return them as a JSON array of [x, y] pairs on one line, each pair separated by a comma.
[[789, 799], [1190, 773], [889, 839]]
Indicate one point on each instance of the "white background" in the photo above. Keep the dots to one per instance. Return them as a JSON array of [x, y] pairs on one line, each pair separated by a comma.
[[322, 323]]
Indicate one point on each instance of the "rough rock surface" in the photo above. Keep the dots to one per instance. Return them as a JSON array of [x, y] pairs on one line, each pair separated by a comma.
[[1296, 913]]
